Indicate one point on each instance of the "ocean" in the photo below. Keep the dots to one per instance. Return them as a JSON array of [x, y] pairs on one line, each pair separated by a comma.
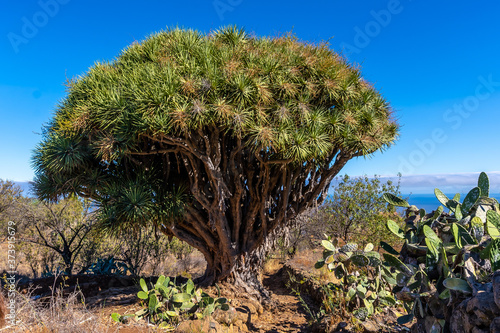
[[430, 203]]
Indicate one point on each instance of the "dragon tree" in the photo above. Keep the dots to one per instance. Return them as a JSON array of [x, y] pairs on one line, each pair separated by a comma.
[[217, 139]]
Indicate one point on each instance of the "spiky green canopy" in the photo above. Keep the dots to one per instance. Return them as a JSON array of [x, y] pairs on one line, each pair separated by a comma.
[[295, 100], [254, 128]]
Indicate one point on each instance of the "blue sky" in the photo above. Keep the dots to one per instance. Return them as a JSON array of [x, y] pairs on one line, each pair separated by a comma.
[[436, 62]]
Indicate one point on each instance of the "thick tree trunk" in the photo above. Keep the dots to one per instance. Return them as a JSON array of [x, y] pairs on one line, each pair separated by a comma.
[[247, 274], [240, 201], [243, 272]]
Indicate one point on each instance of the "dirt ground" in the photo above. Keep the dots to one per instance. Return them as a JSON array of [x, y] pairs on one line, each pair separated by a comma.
[[287, 313], [286, 316]]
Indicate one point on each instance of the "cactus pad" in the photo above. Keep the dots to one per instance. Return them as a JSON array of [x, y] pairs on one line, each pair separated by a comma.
[[361, 313], [443, 199], [457, 284], [341, 257], [477, 228], [495, 254], [349, 247], [360, 260], [470, 200], [484, 184], [395, 201]]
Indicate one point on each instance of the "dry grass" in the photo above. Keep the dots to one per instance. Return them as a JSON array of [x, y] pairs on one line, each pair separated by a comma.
[[272, 265], [69, 313], [64, 314], [55, 314], [191, 266], [306, 258]]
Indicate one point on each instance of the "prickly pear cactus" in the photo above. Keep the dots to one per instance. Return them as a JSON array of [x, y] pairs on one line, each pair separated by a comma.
[[448, 254], [361, 285]]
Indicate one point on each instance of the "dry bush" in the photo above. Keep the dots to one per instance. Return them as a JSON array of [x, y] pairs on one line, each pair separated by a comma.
[[272, 265], [305, 260], [191, 265]]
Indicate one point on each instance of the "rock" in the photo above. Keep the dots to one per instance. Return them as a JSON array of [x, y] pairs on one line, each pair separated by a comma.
[[495, 325], [476, 313], [427, 324], [435, 306], [243, 318], [418, 327], [205, 325], [434, 326], [481, 212], [226, 317], [243, 314], [484, 308], [459, 322], [251, 308], [256, 305], [241, 326], [496, 287], [478, 330], [230, 329]]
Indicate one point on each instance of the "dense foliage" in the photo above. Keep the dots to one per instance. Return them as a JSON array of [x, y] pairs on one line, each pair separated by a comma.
[[447, 256], [217, 139], [356, 211], [361, 288]]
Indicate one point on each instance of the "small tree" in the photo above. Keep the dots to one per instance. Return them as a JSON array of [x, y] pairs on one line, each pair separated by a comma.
[[60, 227], [356, 210], [142, 248], [10, 194], [253, 129]]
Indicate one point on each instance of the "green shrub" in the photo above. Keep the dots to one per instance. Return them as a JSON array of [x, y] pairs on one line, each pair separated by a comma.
[[356, 210]]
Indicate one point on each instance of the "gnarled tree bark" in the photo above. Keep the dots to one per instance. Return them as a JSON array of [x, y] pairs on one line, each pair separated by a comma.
[[239, 199]]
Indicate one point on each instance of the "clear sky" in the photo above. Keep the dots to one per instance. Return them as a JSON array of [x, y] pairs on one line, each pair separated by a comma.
[[436, 62]]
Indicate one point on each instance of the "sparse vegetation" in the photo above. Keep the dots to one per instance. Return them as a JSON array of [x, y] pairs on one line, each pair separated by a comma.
[[445, 256], [60, 313], [60, 227], [59, 237]]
